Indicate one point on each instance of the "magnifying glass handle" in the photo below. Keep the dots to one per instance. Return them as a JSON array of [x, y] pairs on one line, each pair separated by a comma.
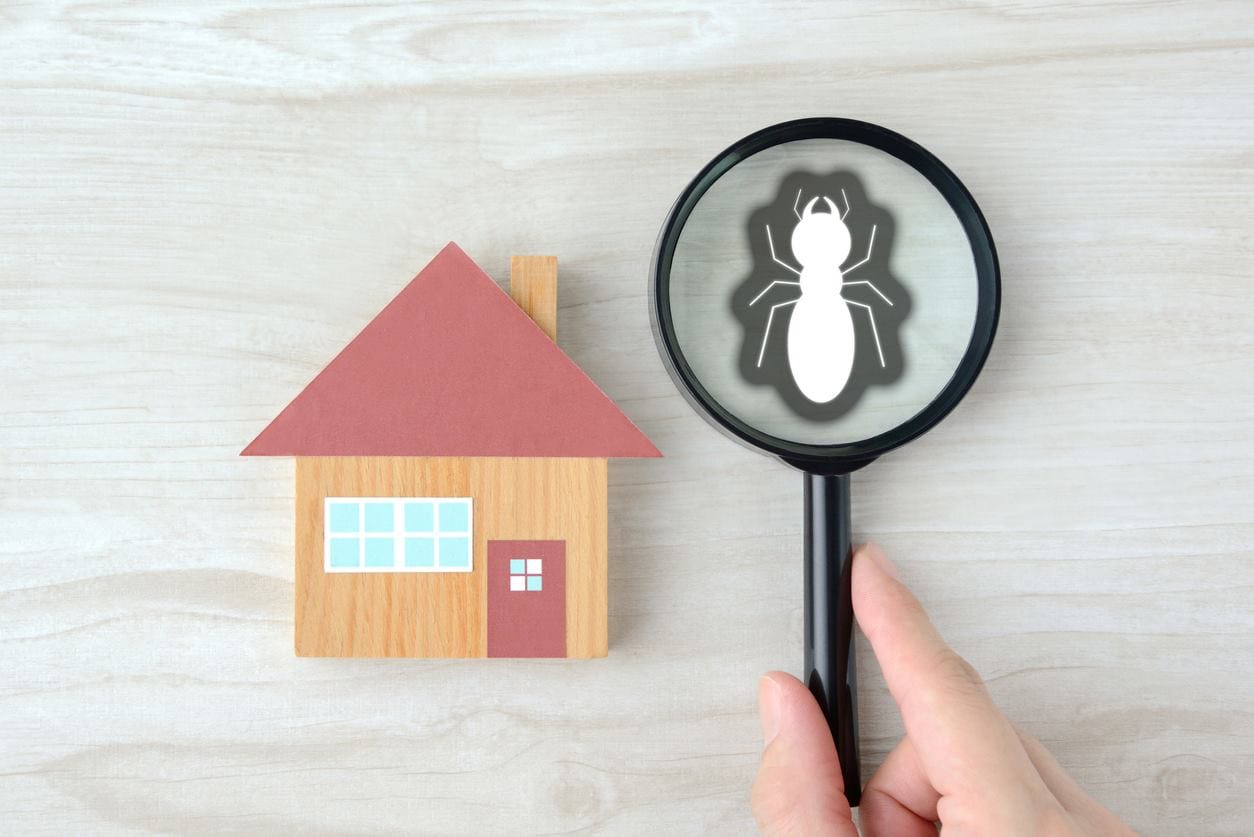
[[830, 671]]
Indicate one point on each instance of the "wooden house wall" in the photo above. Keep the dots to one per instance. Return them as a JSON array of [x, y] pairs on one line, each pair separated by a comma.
[[444, 614]]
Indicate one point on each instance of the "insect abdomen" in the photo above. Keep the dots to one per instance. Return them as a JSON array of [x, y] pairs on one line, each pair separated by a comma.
[[820, 346]]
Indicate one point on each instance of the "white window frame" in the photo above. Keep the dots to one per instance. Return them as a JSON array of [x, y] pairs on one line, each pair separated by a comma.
[[398, 534]]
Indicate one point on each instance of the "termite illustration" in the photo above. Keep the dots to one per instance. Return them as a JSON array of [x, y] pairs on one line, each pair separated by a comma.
[[821, 336]]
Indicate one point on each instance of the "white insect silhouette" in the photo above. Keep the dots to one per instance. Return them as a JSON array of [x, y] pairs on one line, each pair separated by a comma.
[[821, 337]]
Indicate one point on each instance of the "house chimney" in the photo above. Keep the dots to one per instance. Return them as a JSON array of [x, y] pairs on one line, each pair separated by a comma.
[[533, 285]]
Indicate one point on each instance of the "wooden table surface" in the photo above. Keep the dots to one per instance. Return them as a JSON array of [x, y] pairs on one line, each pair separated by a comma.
[[200, 203]]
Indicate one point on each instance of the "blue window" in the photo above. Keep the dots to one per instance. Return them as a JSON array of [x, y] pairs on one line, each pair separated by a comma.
[[345, 517], [455, 516], [379, 517], [454, 552], [526, 575], [420, 516], [401, 534], [345, 552], [380, 552], [420, 552]]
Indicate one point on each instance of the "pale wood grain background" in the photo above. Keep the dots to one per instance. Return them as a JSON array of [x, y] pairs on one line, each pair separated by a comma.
[[200, 203]]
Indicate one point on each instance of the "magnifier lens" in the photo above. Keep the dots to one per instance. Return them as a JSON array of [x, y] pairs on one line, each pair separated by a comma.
[[822, 292]]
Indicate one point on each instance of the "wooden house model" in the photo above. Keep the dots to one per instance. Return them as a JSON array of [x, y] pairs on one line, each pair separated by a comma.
[[451, 478]]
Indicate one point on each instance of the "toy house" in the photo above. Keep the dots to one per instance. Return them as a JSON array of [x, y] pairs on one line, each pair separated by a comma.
[[451, 488]]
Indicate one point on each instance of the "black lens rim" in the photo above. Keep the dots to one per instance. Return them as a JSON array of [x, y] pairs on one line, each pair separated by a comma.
[[844, 457]]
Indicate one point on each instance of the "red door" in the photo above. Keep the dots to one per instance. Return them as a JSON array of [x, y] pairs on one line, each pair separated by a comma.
[[526, 598]]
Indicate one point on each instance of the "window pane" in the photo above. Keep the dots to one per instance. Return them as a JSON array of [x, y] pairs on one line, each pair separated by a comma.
[[344, 552], [379, 552], [533, 566], [419, 517], [517, 566], [534, 583], [455, 516], [454, 552], [344, 517], [378, 517], [420, 552], [517, 583]]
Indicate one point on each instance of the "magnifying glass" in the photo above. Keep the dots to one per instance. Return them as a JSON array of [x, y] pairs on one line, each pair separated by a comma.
[[824, 291]]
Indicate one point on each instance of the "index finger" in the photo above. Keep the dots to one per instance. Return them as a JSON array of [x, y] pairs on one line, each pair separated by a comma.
[[965, 745]]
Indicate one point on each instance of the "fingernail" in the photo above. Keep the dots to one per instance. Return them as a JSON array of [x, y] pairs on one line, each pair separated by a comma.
[[769, 705], [879, 559]]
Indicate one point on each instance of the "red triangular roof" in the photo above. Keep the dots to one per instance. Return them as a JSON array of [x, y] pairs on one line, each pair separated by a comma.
[[451, 367]]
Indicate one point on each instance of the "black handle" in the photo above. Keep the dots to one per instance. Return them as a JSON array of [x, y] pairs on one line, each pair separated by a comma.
[[830, 671]]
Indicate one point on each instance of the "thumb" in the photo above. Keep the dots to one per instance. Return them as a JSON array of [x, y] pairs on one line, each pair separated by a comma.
[[799, 789], [966, 747]]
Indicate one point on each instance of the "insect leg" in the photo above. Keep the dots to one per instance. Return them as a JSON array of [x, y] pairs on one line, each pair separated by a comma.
[[867, 257], [844, 198], [770, 242], [794, 205], [767, 333], [870, 285], [874, 331], [773, 284]]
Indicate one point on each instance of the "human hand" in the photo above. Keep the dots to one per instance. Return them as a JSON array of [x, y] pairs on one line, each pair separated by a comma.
[[962, 763]]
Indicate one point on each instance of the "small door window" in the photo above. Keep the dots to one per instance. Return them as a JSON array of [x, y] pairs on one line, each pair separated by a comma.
[[526, 575]]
